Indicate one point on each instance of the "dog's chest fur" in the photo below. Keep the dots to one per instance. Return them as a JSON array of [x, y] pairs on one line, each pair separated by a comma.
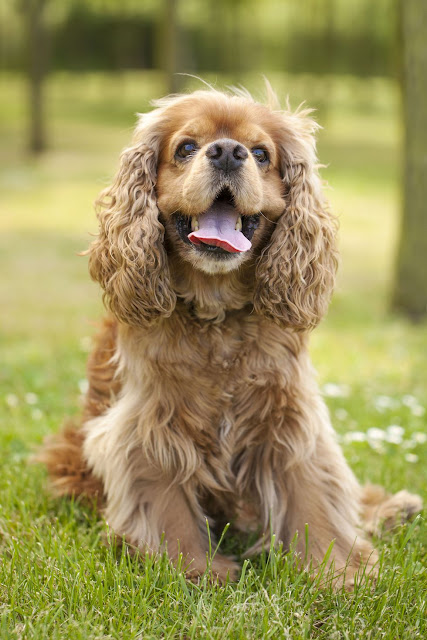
[[219, 392]]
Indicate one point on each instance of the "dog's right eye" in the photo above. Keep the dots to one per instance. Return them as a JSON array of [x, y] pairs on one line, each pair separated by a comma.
[[186, 149]]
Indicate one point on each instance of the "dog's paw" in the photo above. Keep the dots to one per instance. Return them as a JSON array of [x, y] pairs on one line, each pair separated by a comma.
[[400, 507], [382, 511], [220, 570], [223, 569], [360, 567], [363, 574]]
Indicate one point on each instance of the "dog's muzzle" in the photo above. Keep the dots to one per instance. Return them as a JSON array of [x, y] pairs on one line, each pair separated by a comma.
[[221, 229]]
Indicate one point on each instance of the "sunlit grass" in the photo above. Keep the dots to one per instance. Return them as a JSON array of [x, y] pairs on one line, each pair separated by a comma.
[[57, 580]]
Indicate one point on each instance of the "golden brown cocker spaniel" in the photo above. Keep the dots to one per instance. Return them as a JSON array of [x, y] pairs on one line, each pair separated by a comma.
[[216, 253]]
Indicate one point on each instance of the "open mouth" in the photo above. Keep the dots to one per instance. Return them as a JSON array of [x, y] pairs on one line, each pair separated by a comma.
[[220, 230]]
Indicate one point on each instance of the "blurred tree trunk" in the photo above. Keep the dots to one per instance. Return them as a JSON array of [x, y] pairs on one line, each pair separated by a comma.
[[37, 68], [171, 62], [410, 287]]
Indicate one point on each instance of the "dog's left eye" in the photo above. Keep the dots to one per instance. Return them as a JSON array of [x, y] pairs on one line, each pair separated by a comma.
[[186, 149], [260, 155]]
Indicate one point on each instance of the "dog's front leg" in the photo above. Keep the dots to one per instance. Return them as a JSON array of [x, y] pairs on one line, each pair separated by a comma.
[[323, 505], [305, 487], [148, 507]]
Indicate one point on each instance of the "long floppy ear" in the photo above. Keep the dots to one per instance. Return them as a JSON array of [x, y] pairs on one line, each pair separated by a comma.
[[296, 271], [128, 258]]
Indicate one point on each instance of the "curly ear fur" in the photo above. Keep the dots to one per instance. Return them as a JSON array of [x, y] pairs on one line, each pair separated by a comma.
[[128, 258], [296, 271]]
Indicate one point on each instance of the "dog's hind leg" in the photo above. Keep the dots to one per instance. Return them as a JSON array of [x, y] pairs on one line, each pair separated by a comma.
[[62, 453], [383, 511], [69, 474]]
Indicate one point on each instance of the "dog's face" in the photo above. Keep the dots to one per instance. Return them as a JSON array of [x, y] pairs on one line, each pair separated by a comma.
[[213, 181], [219, 183]]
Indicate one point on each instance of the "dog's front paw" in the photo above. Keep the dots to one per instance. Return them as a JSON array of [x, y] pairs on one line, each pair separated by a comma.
[[223, 569], [352, 575], [220, 570], [361, 566]]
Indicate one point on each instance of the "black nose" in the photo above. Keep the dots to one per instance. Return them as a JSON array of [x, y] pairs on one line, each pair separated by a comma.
[[226, 154]]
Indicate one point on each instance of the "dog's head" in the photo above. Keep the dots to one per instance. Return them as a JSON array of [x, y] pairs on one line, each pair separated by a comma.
[[217, 181]]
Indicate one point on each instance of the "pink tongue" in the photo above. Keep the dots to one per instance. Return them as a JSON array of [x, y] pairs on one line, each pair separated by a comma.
[[218, 227]]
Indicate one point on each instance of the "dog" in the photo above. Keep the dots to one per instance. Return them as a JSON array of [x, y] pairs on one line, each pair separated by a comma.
[[217, 256]]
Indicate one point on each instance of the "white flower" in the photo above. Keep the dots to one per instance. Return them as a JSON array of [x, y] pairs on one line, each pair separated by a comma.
[[83, 386], [375, 439], [412, 403], [376, 445], [419, 437], [31, 398], [395, 430], [409, 401], [393, 439], [341, 414], [376, 434], [354, 436], [37, 414], [12, 400], [332, 390], [394, 434], [411, 457], [382, 403]]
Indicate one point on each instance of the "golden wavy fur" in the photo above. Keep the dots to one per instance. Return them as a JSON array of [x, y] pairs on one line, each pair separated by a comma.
[[202, 399]]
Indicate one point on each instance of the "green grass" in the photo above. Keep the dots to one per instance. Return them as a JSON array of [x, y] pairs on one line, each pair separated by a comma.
[[57, 577]]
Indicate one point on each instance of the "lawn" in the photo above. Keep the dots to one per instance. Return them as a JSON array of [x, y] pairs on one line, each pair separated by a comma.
[[57, 577]]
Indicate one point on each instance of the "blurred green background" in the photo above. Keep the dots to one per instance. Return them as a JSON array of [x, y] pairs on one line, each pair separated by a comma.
[[75, 73]]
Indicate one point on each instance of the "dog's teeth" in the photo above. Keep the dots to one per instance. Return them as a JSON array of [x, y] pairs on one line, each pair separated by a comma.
[[194, 224], [239, 224]]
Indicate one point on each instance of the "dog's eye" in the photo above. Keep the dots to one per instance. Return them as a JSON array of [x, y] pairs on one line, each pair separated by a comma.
[[260, 155], [186, 149]]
